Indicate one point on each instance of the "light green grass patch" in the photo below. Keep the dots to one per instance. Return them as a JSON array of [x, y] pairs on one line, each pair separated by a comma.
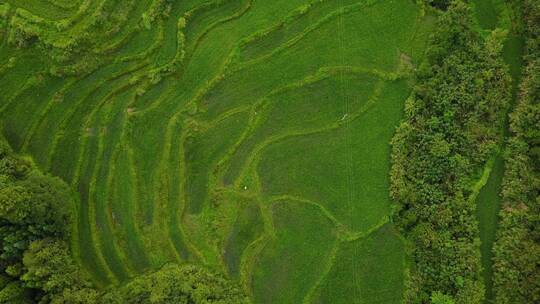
[[343, 169], [291, 263], [366, 271]]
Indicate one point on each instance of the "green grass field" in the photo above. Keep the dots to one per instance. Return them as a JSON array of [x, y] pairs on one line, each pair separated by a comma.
[[250, 136]]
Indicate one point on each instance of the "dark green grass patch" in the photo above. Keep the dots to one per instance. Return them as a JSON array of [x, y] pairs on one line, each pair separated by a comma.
[[203, 152], [64, 103], [65, 157], [170, 42], [487, 211], [154, 95], [141, 42], [21, 68], [246, 229], [212, 52], [148, 145], [513, 56], [18, 118], [487, 13], [73, 128]]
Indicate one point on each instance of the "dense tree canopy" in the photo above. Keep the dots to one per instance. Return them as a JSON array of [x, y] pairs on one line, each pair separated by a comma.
[[33, 207], [517, 249], [178, 284], [452, 126]]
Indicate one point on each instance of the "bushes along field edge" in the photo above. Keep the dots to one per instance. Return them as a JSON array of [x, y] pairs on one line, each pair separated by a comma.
[[452, 126]]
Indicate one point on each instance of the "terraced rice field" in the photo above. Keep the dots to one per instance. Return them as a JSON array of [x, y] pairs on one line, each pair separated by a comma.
[[251, 136]]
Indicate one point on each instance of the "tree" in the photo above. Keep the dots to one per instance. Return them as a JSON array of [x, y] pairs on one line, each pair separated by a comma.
[[440, 298], [452, 127], [182, 284]]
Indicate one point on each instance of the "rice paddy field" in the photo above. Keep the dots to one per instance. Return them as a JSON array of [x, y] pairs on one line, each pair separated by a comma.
[[250, 136]]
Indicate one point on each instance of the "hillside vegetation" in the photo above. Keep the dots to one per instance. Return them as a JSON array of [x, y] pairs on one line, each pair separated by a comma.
[[267, 152], [243, 135]]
